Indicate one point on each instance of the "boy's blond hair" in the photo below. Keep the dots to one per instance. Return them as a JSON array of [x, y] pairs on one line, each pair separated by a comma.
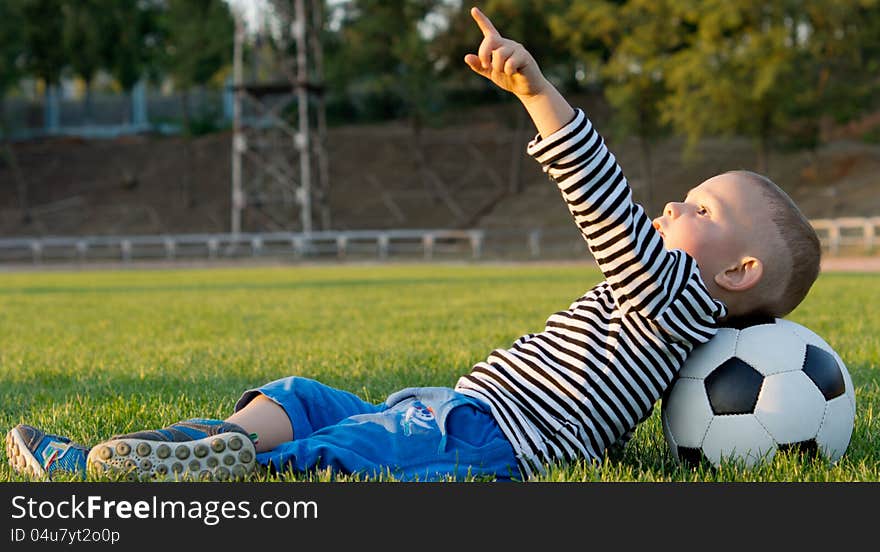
[[789, 276]]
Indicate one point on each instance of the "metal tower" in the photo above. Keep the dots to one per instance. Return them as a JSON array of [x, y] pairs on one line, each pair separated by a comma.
[[279, 162]]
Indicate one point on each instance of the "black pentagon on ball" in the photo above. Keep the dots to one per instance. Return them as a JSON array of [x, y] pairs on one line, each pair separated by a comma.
[[733, 387], [821, 367], [808, 448], [692, 457]]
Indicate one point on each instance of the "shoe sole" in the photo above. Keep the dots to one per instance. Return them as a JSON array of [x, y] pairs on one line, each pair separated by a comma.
[[20, 458], [214, 458]]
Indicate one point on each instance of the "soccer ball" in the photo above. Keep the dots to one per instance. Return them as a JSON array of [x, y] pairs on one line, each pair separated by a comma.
[[751, 391]]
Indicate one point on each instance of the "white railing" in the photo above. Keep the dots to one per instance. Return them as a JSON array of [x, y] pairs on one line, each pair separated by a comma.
[[848, 234], [382, 244], [838, 236]]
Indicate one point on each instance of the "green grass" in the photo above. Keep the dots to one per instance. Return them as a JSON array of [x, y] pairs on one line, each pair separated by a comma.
[[97, 353]]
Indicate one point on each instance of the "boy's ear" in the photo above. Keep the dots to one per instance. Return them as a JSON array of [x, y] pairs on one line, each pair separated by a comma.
[[741, 276]]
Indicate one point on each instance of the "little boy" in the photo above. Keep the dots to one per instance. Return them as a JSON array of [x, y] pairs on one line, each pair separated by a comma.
[[736, 247]]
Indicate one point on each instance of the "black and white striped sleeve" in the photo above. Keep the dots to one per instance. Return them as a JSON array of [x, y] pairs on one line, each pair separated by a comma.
[[642, 274]]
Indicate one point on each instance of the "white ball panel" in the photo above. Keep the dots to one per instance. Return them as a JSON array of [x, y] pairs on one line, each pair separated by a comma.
[[812, 338], [706, 357], [791, 407], [670, 438], [771, 349], [809, 336], [847, 379], [740, 438], [687, 411], [836, 430]]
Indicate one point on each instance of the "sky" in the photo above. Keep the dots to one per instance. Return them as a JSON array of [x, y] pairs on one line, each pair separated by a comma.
[[251, 10], [254, 11]]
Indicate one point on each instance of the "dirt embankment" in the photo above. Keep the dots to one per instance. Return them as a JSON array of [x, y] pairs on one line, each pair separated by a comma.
[[473, 173]]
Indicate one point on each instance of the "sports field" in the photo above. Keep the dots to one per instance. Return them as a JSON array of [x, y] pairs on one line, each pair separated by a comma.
[[90, 354]]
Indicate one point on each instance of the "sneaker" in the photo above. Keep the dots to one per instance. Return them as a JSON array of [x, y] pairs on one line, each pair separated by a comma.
[[38, 454], [195, 449]]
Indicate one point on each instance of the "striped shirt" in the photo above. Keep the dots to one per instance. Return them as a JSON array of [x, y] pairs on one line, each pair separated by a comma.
[[597, 369]]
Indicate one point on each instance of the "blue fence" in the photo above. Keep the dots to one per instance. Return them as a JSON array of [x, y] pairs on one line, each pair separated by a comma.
[[107, 115]]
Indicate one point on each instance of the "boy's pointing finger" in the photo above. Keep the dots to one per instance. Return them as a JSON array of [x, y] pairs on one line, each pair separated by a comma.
[[483, 22]]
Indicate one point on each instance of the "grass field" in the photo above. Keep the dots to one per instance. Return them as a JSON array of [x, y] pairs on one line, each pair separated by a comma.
[[92, 354]]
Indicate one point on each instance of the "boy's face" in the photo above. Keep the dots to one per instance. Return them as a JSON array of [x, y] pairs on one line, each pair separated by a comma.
[[719, 222]]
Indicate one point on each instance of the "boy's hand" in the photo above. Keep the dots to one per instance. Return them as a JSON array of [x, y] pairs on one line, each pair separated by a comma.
[[505, 62], [512, 67]]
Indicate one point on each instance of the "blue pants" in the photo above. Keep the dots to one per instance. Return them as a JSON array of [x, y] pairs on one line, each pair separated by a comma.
[[418, 433]]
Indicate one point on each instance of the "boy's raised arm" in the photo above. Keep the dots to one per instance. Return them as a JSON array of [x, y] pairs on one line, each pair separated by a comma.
[[641, 273], [511, 67]]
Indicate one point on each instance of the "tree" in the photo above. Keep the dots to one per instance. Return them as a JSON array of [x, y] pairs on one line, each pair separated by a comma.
[[12, 43], [198, 40], [198, 37], [527, 22], [631, 42], [835, 47], [82, 39], [383, 60], [772, 71], [45, 56], [731, 78], [385, 65], [131, 38]]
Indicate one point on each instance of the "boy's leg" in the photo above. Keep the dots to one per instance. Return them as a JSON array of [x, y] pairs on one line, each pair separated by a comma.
[[266, 419], [418, 434], [219, 449], [35, 453], [192, 449], [294, 408]]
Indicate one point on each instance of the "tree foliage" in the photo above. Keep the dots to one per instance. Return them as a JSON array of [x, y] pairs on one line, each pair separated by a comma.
[[197, 40], [630, 43], [382, 57], [82, 34], [82, 28], [11, 44], [770, 71], [132, 39], [835, 48], [527, 22], [777, 72], [44, 54]]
